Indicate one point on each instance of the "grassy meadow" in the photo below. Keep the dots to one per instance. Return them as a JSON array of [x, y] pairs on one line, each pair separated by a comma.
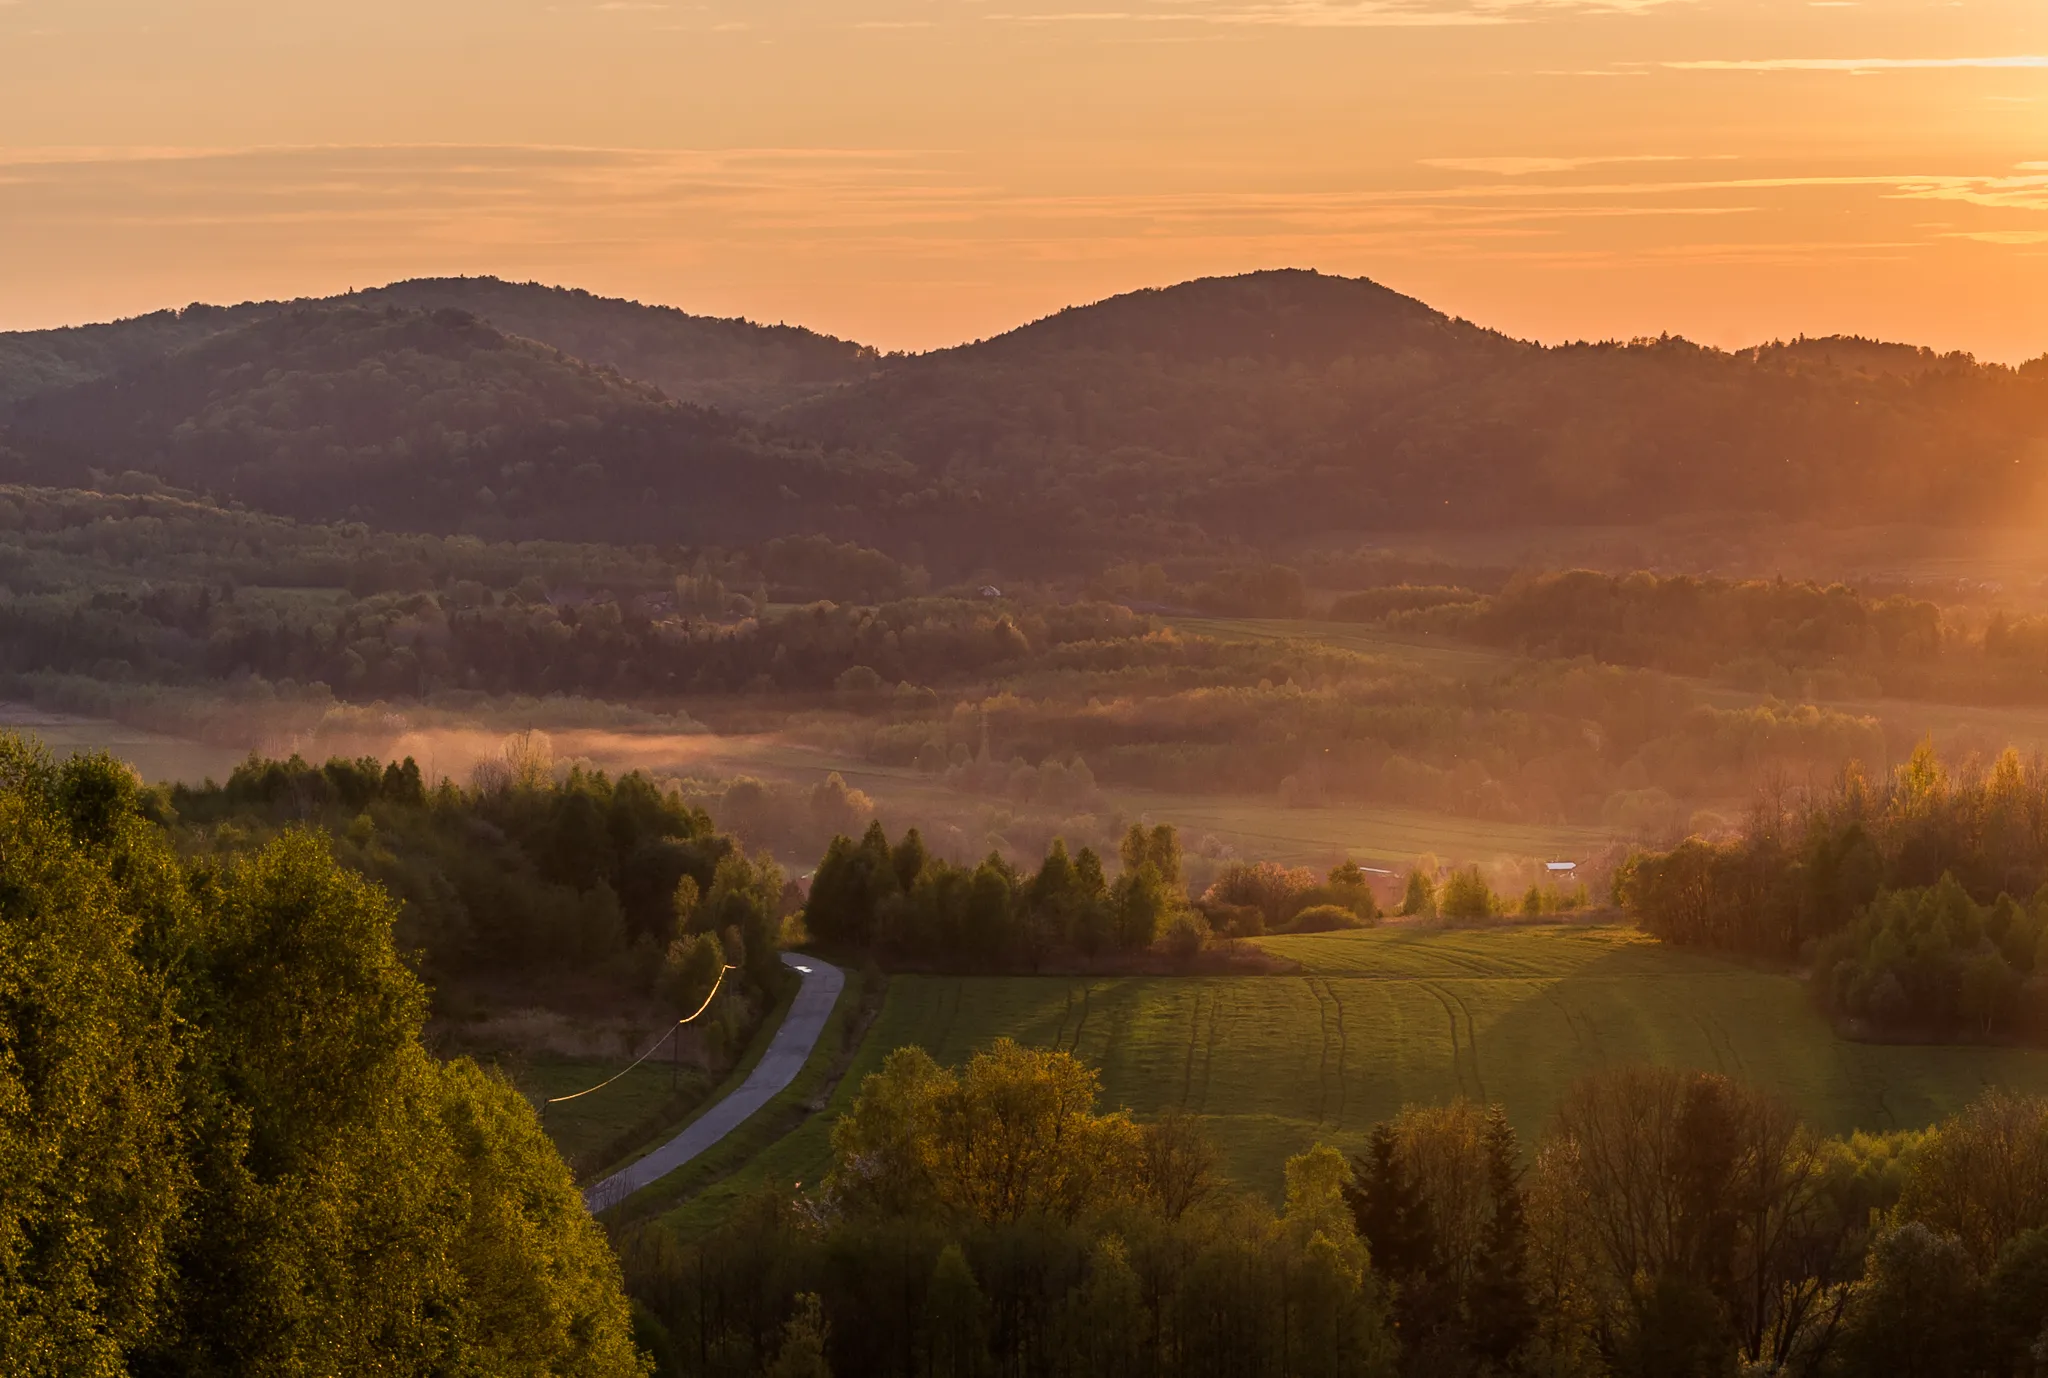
[[644, 1099], [1381, 1018]]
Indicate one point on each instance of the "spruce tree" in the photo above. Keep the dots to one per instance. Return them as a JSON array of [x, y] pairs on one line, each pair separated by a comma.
[[1502, 1317]]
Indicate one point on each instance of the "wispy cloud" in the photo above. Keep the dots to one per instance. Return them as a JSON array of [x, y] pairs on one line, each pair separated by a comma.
[[898, 211], [1857, 64], [1334, 14], [1525, 166], [2001, 236]]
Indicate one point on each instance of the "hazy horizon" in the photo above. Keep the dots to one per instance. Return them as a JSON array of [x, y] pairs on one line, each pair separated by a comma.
[[914, 173], [951, 344]]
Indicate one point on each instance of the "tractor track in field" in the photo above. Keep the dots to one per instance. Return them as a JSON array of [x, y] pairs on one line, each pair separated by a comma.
[[1457, 1067], [1209, 1047], [1451, 1007], [1343, 1050], [1584, 1033], [1471, 1043], [1727, 1060], [1322, 1052], [1059, 1032], [1087, 993], [1720, 1062], [948, 1017]]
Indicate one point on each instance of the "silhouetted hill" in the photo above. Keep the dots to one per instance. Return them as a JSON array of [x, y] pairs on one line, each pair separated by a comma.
[[1287, 317], [33, 361], [1854, 355], [420, 421], [728, 363], [732, 364], [1276, 405], [1254, 414]]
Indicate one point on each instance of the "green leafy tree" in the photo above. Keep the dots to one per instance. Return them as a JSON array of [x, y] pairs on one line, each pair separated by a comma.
[[802, 1354], [223, 1148], [691, 970], [93, 1183], [1919, 1311], [1418, 897], [1466, 896]]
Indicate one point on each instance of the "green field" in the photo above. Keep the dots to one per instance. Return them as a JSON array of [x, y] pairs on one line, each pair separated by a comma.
[[1392, 1016]]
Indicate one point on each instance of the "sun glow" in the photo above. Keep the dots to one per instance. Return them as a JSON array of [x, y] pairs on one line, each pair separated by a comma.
[[917, 172]]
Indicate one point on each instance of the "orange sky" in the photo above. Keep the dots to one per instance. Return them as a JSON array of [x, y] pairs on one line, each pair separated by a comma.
[[917, 172]]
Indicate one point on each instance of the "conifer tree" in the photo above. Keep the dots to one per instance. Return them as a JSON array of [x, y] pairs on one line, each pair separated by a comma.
[[1501, 1315]]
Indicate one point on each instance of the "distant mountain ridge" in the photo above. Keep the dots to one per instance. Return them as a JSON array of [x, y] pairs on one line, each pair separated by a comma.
[[1274, 407], [1245, 416], [412, 420], [729, 363], [732, 364]]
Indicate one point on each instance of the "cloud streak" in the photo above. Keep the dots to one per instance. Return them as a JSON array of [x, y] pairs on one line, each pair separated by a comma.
[[1860, 65], [1526, 166], [894, 220], [1338, 14]]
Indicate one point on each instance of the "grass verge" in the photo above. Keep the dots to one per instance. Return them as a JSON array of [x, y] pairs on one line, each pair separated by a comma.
[[743, 1158]]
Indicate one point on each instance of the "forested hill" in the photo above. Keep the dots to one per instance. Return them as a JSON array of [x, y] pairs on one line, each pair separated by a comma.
[[33, 361], [1276, 405], [1255, 413], [419, 421], [728, 363], [732, 364]]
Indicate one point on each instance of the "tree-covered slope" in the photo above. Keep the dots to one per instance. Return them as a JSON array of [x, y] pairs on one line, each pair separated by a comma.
[[420, 421], [731, 364], [1275, 405], [1252, 413], [33, 361]]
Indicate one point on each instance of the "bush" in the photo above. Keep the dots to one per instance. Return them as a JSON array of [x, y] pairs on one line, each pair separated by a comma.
[[1277, 892], [1234, 920], [1324, 918], [1186, 935]]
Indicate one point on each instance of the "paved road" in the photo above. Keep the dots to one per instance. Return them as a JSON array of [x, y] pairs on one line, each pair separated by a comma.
[[776, 1069]]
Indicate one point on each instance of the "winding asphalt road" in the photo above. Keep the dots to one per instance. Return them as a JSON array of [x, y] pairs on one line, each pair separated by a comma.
[[777, 1068]]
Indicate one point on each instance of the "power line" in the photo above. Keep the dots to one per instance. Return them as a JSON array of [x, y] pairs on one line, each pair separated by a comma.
[[557, 1100]]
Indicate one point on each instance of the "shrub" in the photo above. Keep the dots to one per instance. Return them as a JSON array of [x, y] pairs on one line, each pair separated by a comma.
[[1277, 892], [1186, 935], [1324, 918]]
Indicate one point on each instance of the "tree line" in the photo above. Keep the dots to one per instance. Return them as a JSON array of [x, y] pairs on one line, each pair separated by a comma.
[[1919, 898], [524, 871], [903, 900], [993, 1219]]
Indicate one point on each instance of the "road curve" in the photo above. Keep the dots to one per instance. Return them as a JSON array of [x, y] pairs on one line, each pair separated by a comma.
[[777, 1068]]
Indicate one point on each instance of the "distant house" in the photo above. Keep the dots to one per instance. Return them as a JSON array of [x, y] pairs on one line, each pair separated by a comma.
[[1560, 868], [991, 591]]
